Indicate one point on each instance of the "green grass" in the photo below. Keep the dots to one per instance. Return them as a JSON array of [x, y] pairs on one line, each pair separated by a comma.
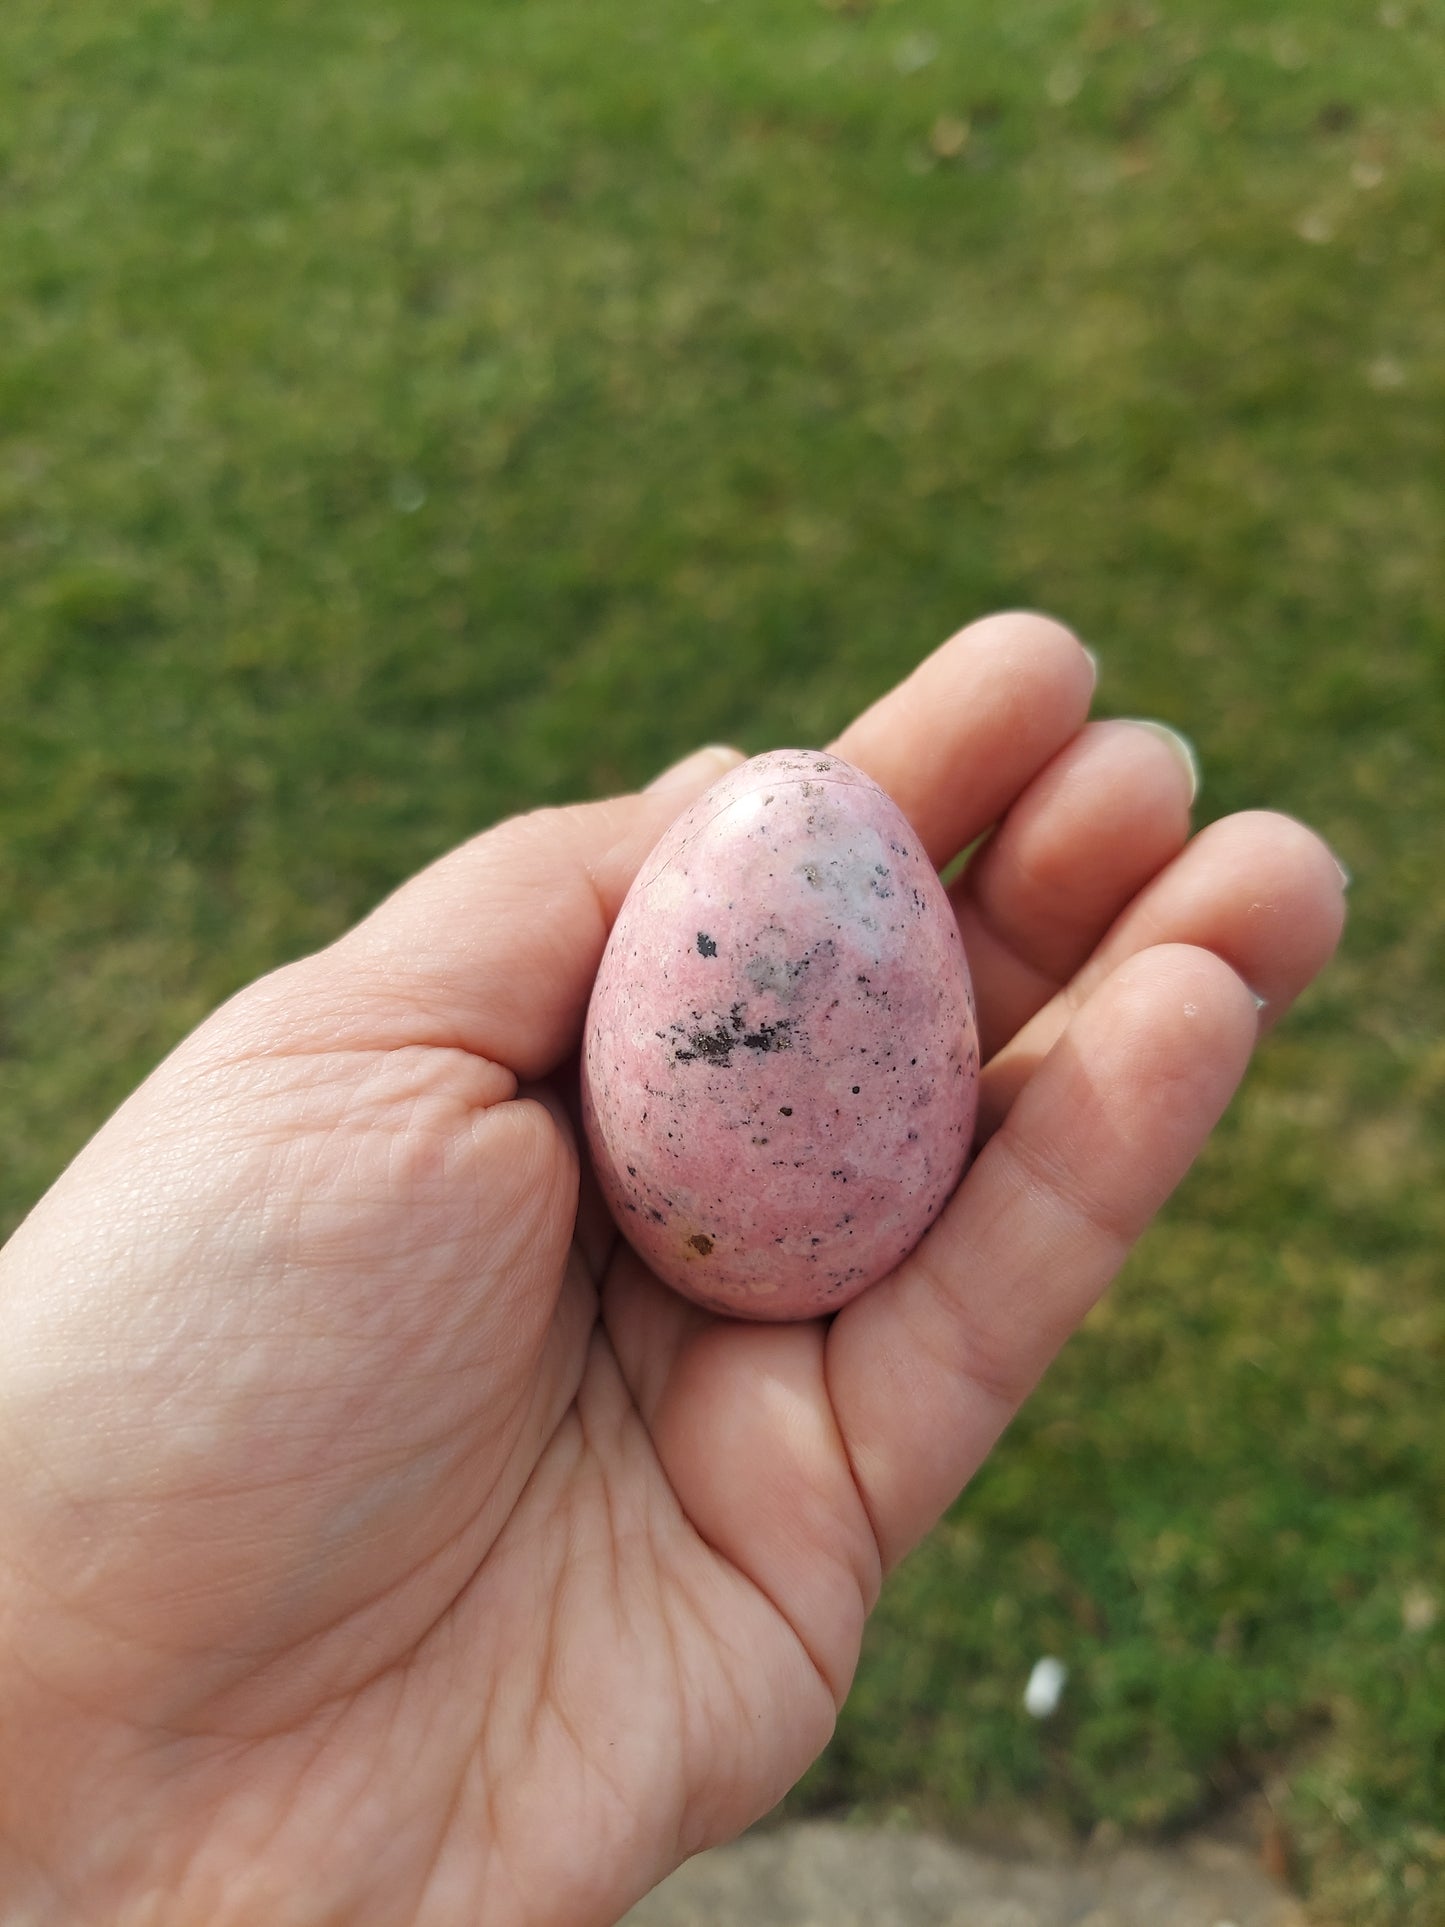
[[409, 414]]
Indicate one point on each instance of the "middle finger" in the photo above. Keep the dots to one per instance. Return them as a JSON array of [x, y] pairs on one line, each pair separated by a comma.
[[1092, 828]]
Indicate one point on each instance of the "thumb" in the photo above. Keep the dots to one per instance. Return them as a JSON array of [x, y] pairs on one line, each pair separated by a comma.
[[494, 947]]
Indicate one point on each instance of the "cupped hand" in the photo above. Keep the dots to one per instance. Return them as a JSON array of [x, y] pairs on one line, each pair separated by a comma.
[[379, 1543]]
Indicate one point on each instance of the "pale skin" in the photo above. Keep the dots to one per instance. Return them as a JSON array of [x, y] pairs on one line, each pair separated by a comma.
[[379, 1543]]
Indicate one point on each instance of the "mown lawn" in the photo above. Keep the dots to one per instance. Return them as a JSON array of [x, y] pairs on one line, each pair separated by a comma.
[[412, 413]]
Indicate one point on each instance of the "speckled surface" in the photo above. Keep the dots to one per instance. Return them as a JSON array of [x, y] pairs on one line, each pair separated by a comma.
[[780, 1064]]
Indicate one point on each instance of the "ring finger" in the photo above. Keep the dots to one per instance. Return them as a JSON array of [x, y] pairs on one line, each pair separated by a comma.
[[1260, 890]]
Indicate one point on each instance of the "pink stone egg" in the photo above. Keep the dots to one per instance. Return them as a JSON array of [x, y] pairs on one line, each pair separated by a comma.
[[780, 1062]]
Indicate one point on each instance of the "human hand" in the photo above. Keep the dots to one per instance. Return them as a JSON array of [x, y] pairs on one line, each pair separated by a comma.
[[379, 1543]]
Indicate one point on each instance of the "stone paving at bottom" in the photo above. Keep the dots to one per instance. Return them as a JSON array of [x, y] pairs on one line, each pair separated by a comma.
[[823, 1875]]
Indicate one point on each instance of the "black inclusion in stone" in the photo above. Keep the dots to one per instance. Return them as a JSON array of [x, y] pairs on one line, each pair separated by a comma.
[[716, 1045], [706, 947], [769, 1036]]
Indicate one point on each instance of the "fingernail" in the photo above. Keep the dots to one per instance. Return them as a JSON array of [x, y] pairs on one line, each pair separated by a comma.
[[1181, 746], [1346, 878], [704, 766], [1093, 660]]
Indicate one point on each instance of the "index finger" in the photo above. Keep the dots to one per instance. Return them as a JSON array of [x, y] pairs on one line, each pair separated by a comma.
[[959, 739]]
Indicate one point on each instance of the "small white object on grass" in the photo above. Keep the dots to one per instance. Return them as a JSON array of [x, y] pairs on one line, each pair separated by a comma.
[[1045, 1688]]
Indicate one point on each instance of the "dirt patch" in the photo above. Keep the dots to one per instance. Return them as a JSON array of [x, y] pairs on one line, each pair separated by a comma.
[[820, 1874]]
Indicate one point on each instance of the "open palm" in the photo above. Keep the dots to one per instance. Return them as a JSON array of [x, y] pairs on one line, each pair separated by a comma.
[[379, 1542]]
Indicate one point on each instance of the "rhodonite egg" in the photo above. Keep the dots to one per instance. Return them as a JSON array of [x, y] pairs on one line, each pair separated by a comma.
[[780, 1061]]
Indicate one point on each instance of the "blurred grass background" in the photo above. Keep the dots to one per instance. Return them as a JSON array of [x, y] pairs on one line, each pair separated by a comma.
[[412, 414]]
